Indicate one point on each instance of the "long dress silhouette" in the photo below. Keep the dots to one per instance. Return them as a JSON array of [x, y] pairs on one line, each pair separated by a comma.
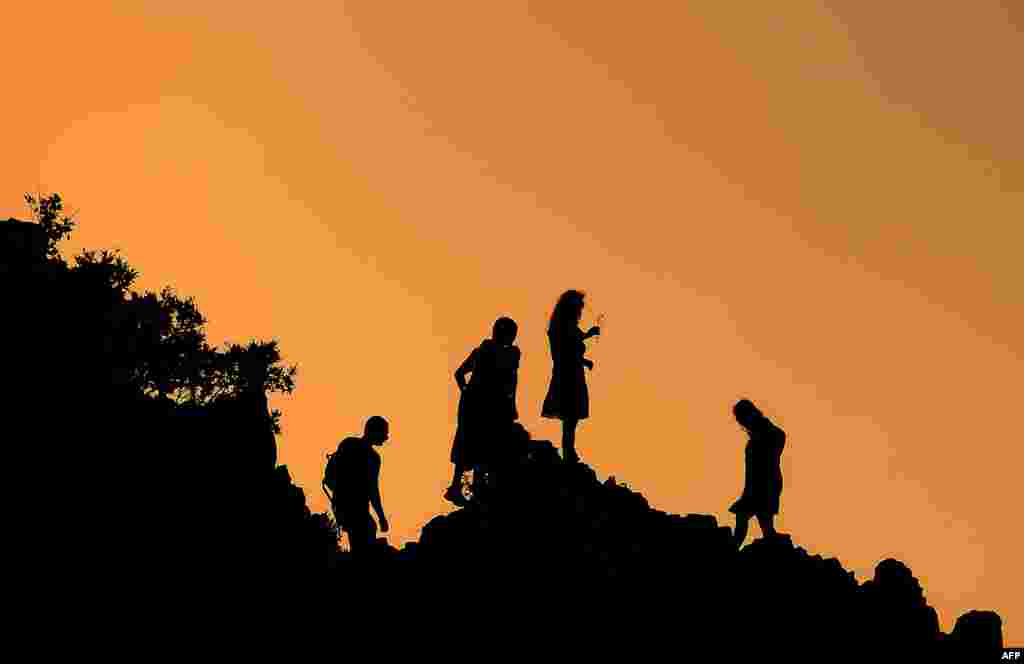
[[568, 397], [486, 404], [487, 401]]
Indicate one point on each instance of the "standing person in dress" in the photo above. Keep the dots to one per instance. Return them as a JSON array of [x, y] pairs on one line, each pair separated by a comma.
[[567, 398], [763, 482], [487, 403]]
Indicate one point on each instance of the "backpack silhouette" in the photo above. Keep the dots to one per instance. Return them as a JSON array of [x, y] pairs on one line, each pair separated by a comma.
[[338, 473]]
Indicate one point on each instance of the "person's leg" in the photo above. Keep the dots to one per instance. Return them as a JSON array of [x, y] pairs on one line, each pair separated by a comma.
[[353, 539], [458, 455], [453, 493], [767, 523], [569, 441], [362, 532], [476, 485], [740, 532], [342, 518], [457, 474]]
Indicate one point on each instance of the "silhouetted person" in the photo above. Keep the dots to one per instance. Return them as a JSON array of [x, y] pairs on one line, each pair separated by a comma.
[[567, 398], [352, 478], [763, 479], [487, 403]]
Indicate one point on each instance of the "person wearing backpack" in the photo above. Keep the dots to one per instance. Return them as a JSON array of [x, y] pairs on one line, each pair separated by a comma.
[[352, 484]]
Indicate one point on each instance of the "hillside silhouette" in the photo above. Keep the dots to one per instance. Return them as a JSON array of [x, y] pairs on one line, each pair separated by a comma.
[[160, 466]]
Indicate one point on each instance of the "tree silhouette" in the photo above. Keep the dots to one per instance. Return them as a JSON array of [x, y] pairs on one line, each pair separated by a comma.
[[107, 266], [158, 339], [47, 211]]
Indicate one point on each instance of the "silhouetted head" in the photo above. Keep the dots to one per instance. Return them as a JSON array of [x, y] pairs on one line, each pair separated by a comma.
[[505, 330], [376, 430], [747, 414], [568, 310]]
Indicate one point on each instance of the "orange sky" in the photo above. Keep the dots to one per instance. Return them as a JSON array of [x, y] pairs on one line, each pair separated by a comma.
[[816, 204]]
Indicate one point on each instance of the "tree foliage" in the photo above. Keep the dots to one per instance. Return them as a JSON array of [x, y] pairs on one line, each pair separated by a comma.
[[109, 266], [159, 338], [48, 212]]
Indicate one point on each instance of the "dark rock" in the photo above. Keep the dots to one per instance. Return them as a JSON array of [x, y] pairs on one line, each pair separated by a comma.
[[978, 634]]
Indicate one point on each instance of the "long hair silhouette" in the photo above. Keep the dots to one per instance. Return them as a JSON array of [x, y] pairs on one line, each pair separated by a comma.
[[567, 310]]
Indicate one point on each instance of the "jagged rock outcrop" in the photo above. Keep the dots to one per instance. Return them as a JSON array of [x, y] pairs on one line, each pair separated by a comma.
[[977, 635], [548, 534]]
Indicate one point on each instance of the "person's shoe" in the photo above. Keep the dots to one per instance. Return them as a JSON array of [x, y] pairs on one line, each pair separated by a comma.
[[455, 497]]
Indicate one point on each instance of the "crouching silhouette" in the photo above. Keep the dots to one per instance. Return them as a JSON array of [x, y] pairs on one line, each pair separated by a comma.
[[352, 484]]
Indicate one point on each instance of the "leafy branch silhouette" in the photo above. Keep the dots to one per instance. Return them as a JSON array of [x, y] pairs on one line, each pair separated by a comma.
[[158, 339]]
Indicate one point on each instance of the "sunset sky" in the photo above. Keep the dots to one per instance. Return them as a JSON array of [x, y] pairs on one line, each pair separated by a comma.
[[816, 205]]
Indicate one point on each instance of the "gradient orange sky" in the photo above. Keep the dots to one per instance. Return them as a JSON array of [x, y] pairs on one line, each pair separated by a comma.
[[817, 205]]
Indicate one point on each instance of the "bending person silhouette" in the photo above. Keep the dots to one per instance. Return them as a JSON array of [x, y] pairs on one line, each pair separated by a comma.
[[352, 483], [567, 398], [487, 403], [763, 465]]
